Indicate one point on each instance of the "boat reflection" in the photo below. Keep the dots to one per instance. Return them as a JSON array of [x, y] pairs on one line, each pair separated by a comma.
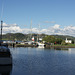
[[5, 70]]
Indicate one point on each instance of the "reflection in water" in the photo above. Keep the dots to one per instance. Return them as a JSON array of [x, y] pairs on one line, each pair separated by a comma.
[[58, 48], [61, 48], [5, 70]]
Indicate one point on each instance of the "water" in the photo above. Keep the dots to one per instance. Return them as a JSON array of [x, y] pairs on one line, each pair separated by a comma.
[[34, 61]]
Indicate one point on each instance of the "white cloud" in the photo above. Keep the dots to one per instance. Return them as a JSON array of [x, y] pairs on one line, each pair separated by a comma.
[[11, 28], [56, 26], [68, 30], [56, 29]]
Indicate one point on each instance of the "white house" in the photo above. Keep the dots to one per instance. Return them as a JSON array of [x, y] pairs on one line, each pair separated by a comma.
[[68, 41]]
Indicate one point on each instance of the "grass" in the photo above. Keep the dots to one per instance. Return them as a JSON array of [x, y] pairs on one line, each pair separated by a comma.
[[65, 45]]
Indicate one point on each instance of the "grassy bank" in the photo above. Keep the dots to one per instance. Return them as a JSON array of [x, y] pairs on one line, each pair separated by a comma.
[[47, 46], [24, 45], [61, 46]]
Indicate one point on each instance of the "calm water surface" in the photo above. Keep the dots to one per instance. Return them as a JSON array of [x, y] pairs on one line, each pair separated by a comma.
[[34, 61]]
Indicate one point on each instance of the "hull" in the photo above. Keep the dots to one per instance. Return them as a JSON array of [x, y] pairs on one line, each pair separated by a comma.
[[5, 56], [5, 70], [5, 61], [41, 45]]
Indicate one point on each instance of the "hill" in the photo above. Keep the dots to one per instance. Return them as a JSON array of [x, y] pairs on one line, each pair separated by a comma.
[[20, 36], [64, 37]]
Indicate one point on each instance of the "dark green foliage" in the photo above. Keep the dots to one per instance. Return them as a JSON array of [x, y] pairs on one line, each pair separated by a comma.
[[52, 39], [14, 36]]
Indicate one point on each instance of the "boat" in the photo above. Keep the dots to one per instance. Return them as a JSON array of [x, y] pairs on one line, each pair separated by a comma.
[[5, 56], [40, 45], [5, 70]]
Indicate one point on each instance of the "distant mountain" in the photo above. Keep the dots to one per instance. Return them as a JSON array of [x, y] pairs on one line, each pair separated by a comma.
[[64, 37]]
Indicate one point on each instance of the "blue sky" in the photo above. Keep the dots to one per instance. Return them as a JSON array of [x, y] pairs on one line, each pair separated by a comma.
[[47, 13]]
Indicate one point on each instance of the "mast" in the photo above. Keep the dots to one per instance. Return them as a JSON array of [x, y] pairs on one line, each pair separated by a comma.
[[1, 28], [31, 30], [38, 32]]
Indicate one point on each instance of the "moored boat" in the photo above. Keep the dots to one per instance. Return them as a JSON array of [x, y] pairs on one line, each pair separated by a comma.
[[41, 45], [5, 56]]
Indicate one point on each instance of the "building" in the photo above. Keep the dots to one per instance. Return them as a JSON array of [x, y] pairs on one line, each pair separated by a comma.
[[68, 41]]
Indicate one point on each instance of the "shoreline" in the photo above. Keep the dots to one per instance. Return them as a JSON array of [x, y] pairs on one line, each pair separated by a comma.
[[59, 46], [26, 45], [47, 46]]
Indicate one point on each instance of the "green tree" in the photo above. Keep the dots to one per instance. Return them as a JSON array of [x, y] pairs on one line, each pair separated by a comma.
[[52, 39]]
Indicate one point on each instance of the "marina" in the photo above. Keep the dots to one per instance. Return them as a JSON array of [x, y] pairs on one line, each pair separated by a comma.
[[37, 37]]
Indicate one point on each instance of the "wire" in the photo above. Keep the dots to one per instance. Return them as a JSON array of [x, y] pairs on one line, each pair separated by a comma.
[[2, 10]]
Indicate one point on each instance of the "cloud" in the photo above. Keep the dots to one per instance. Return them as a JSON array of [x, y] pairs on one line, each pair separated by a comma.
[[56, 26], [11, 28], [55, 29], [9, 25]]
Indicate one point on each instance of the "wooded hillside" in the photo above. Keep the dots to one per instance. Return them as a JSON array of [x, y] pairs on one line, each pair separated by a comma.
[[20, 36]]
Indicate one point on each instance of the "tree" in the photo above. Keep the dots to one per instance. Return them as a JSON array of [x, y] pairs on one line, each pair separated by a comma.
[[52, 39]]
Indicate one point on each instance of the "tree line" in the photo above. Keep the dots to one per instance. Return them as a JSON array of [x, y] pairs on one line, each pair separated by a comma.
[[57, 39]]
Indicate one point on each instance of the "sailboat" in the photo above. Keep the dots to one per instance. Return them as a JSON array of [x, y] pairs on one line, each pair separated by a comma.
[[39, 41]]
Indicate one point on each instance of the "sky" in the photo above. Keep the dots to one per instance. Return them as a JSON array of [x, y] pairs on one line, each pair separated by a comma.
[[52, 17]]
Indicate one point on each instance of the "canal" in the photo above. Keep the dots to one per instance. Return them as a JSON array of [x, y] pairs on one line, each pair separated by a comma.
[[35, 61]]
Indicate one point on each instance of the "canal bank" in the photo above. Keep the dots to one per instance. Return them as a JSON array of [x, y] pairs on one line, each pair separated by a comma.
[[24, 45], [46, 46], [61, 46]]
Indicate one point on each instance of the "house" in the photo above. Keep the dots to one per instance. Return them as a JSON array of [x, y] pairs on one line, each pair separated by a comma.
[[68, 41]]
